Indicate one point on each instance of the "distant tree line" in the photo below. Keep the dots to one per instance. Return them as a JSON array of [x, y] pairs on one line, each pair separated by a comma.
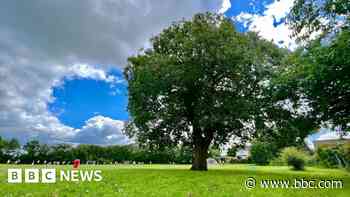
[[10, 150]]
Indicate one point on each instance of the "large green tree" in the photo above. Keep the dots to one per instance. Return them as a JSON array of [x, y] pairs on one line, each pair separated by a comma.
[[199, 84]]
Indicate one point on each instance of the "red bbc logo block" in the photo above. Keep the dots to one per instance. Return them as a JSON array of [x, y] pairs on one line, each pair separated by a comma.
[[76, 163]]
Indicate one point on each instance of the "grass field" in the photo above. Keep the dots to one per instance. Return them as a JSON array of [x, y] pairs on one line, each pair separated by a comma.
[[177, 180]]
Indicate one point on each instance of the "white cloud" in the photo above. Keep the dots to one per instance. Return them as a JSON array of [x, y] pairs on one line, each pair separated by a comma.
[[101, 130], [90, 72], [42, 42], [263, 24], [226, 5], [244, 18], [279, 8]]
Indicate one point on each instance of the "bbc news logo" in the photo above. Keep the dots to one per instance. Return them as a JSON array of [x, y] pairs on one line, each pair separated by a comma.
[[49, 175]]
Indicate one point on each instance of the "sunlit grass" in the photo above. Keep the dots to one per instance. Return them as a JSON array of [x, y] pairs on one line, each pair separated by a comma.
[[177, 180]]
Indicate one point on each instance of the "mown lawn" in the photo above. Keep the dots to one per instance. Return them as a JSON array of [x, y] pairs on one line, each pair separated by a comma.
[[177, 180]]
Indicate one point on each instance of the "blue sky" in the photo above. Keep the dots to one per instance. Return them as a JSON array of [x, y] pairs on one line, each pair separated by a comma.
[[79, 99], [61, 61], [252, 7]]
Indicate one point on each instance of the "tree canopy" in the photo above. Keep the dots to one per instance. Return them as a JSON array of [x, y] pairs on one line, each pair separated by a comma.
[[320, 71], [321, 74], [325, 16], [202, 82]]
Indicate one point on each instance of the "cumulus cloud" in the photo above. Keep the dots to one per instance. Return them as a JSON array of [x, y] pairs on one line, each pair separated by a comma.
[[90, 72], [43, 42], [270, 25], [226, 5], [101, 130]]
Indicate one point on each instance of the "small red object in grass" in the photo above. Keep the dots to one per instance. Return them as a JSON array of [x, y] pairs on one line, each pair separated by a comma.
[[76, 163]]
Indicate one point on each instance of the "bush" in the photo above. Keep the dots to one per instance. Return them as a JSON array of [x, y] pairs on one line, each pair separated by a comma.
[[294, 157], [334, 157], [297, 162], [261, 153], [327, 157], [345, 153]]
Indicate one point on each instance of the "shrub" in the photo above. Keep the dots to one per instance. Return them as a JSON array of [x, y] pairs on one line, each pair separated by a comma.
[[346, 157], [334, 157], [294, 157], [297, 162], [262, 153], [327, 157]]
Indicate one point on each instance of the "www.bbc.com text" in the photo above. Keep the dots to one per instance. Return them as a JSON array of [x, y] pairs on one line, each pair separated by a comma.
[[297, 183]]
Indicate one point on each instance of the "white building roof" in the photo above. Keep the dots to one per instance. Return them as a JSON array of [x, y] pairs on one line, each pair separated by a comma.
[[333, 135]]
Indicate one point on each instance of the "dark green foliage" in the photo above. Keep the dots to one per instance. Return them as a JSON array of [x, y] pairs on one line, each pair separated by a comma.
[[297, 163], [321, 77], [322, 68], [61, 152], [35, 151], [232, 151], [201, 83], [183, 155], [334, 157], [328, 157], [261, 153], [165, 156], [8, 149], [294, 157]]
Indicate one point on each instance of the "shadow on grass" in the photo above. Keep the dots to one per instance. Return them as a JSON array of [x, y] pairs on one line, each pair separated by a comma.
[[248, 170]]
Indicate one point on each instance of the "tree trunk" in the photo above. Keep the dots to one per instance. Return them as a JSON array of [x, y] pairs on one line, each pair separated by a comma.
[[199, 156]]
